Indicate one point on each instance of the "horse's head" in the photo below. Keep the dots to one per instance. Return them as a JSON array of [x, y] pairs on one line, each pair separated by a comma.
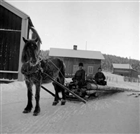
[[30, 51]]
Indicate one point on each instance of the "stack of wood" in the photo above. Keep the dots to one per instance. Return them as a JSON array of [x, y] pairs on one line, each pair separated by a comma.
[[91, 88]]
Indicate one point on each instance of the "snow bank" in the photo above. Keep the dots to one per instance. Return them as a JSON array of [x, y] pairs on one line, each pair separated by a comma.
[[13, 86], [113, 80], [113, 77]]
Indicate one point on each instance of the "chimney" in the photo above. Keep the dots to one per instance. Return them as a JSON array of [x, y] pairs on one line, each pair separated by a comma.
[[74, 47]]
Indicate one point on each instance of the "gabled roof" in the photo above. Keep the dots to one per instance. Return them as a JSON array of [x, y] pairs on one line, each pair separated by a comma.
[[14, 9], [122, 66], [57, 52]]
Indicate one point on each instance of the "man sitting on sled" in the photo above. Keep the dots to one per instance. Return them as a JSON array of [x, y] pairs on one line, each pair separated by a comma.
[[79, 78], [100, 77]]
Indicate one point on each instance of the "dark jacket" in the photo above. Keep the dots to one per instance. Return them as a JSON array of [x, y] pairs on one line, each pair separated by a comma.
[[79, 76], [99, 76]]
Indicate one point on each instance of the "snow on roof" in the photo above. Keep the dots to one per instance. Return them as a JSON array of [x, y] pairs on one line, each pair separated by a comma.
[[76, 53], [122, 66]]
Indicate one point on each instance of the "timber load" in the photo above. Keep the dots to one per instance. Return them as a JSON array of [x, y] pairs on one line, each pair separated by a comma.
[[91, 87], [89, 91], [95, 90]]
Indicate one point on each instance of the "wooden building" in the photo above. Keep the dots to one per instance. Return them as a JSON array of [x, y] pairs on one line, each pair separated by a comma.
[[14, 24], [72, 57], [124, 70]]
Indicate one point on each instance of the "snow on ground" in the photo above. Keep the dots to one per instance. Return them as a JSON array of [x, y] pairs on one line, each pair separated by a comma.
[[114, 114], [15, 87]]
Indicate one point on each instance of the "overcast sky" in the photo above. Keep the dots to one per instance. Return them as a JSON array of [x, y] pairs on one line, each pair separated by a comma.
[[111, 27]]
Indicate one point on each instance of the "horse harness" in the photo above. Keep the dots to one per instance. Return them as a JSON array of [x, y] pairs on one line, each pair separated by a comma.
[[31, 70]]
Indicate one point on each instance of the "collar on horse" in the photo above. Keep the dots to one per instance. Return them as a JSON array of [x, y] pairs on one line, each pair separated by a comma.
[[41, 66], [28, 68]]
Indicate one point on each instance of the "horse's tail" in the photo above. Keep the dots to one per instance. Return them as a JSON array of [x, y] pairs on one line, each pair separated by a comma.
[[62, 71]]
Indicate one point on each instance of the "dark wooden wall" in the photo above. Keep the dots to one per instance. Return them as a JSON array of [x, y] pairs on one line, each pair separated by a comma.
[[9, 20], [134, 73], [10, 33], [70, 62]]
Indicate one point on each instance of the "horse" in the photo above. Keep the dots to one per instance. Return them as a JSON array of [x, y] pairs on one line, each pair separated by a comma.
[[35, 69]]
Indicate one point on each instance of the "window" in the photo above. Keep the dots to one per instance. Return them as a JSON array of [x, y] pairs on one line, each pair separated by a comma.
[[90, 70], [75, 68]]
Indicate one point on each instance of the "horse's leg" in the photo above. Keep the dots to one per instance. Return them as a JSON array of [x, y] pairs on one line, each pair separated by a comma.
[[63, 101], [61, 81], [56, 98], [29, 106], [37, 98]]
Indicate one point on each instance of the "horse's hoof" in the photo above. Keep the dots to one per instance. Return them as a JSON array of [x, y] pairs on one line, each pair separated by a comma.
[[26, 111], [63, 102], [55, 103], [36, 113]]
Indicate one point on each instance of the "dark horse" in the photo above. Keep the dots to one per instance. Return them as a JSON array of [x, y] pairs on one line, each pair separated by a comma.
[[35, 70]]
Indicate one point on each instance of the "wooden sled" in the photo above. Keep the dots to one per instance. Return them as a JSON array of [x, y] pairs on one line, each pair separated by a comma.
[[89, 91], [92, 91]]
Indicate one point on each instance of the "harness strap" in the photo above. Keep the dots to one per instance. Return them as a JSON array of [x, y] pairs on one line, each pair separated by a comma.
[[58, 69]]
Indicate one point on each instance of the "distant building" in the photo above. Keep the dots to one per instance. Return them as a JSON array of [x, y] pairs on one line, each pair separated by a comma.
[[72, 57], [14, 24], [124, 70]]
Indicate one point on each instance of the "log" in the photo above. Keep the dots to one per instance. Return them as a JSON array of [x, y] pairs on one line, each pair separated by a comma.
[[92, 86]]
